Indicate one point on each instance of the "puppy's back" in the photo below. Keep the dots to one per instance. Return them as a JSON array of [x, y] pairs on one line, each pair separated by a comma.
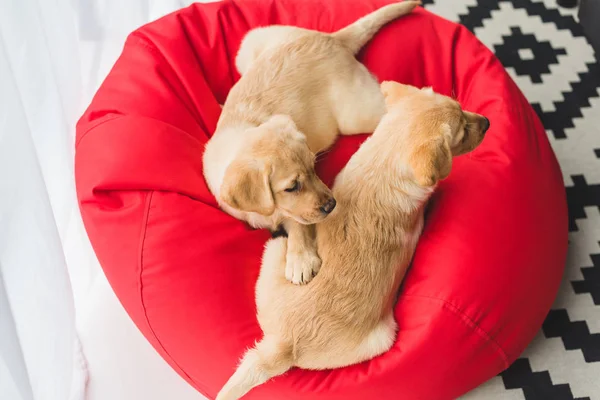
[[294, 78], [258, 40]]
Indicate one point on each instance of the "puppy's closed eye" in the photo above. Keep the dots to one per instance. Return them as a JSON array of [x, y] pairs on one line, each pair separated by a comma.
[[294, 187]]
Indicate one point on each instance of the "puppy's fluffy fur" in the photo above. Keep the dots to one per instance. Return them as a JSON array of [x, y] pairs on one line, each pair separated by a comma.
[[298, 89], [345, 315]]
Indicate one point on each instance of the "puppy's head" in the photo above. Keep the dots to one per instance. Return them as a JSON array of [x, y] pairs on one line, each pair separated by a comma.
[[438, 129], [276, 173]]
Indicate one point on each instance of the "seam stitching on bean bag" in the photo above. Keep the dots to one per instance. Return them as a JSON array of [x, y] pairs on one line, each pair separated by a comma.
[[469, 322], [146, 217], [94, 125], [143, 41]]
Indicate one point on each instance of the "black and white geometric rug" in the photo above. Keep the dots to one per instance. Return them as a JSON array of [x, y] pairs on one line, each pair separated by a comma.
[[543, 48]]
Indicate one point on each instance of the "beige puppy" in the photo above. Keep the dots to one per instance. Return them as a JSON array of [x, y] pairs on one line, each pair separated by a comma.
[[257, 164], [345, 315]]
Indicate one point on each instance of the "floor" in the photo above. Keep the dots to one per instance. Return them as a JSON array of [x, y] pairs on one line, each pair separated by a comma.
[[543, 48]]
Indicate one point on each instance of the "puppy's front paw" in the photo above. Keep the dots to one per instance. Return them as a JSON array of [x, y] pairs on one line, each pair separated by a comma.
[[300, 268]]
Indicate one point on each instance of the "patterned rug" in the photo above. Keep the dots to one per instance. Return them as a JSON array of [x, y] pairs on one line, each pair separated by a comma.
[[543, 48]]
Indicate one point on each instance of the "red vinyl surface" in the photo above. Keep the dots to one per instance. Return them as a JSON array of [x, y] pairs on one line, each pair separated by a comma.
[[485, 272]]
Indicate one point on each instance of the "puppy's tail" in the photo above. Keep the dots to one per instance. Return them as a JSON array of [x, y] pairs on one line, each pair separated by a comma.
[[356, 35], [269, 358]]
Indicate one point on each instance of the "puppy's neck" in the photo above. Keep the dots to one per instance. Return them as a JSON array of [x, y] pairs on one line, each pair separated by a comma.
[[380, 170]]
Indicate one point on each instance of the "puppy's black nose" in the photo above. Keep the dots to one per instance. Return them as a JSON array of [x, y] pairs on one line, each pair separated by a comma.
[[328, 206], [486, 125]]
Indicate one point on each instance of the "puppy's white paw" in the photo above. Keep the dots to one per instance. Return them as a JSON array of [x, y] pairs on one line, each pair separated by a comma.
[[300, 268]]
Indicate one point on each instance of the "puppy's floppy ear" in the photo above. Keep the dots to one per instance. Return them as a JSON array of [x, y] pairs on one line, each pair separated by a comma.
[[282, 121], [246, 187], [392, 91], [431, 160]]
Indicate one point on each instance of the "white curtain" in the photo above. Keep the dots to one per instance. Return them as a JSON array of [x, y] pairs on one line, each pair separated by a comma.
[[53, 56]]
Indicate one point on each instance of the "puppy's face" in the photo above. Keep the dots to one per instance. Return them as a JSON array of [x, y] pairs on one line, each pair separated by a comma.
[[276, 173], [438, 129]]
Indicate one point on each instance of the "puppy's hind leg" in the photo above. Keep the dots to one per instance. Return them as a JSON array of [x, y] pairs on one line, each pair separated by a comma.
[[268, 359], [258, 41], [360, 105], [378, 341]]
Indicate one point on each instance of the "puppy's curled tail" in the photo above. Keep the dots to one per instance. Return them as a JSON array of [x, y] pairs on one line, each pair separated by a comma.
[[269, 358], [356, 35]]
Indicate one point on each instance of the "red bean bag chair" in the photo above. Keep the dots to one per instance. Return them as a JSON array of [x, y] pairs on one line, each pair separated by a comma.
[[485, 272]]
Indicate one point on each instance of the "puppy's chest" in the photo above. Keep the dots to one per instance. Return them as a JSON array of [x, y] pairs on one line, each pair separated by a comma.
[[260, 221]]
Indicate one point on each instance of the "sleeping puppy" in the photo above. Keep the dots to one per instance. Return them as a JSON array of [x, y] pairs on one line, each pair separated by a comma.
[[257, 163], [345, 316]]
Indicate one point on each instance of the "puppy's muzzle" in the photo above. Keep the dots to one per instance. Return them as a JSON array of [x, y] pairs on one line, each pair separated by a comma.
[[328, 207]]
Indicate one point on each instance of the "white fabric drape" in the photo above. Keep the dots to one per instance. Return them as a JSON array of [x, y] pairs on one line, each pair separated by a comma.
[[53, 56]]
